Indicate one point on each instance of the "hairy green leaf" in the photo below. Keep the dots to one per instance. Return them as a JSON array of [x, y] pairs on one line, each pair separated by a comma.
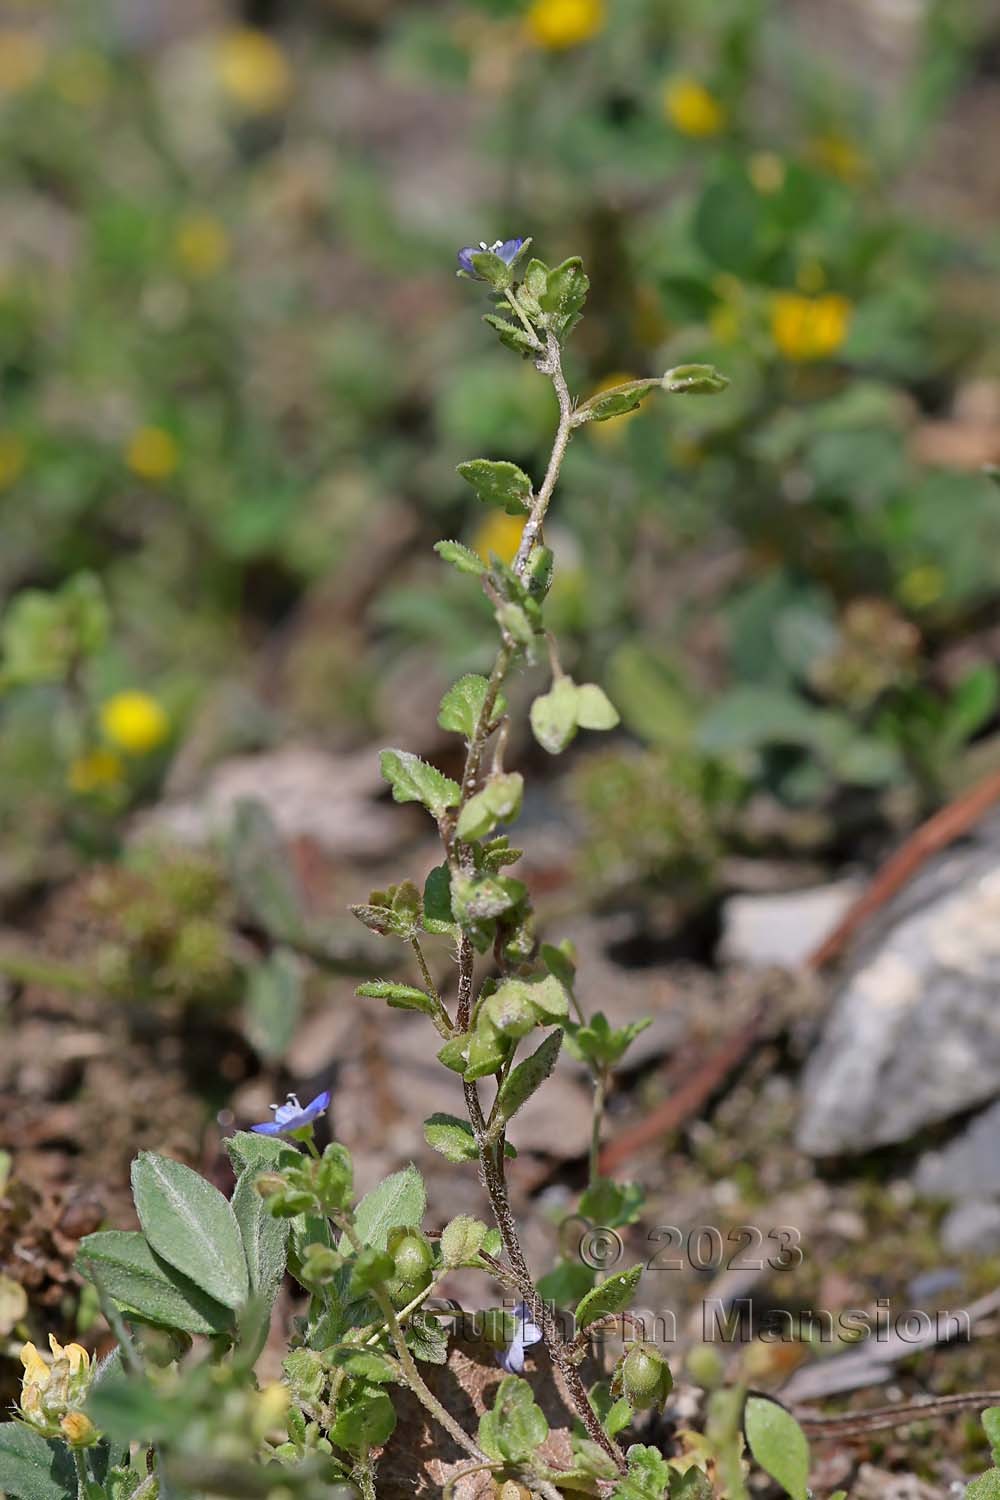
[[190, 1225]]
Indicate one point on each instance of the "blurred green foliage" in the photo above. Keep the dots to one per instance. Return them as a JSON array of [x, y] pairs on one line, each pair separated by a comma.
[[235, 380]]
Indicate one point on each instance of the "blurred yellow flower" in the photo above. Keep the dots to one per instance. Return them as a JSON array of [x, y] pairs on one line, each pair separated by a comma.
[[691, 109], [498, 534], [135, 722], [254, 71], [921, 586], [766, 171], [839, 156], [557, 24], [807, 328], [201, 244], [13, 456], [22, 58], [152, 453], [613, 429], [95, 771]]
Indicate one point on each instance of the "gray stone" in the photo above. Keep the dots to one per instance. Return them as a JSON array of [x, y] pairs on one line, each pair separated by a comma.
[[968, 1166], [972, 1228], [783, 927], [913, 1035]]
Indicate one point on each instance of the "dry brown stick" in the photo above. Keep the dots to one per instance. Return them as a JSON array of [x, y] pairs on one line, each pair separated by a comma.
[[859, 1424], [937, 833], [685, 1101]]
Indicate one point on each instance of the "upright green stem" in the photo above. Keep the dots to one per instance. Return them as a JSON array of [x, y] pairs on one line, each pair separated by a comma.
[[82, 1477], [551, 365], [600, 1095], [414, 1379], [491, 1153]]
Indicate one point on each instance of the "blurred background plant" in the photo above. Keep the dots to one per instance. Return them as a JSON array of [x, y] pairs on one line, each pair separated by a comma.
[[215, 466]]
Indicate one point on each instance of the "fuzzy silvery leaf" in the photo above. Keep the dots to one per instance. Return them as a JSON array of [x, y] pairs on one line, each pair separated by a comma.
[[438, 916], [265, 1238], [427, 1339], [274, 1002], [529, 1075], [32, 1468], [565, 293], [399, 996], [365, 1420], [462, 1240], [461, 557], [259, 868], [610, 1297], [694, 380], [463, 703], [497, 482], [121, 1263], [649, 1476], [513, 336], [414, 780], [515, 1426], [778, 1444], [400, 1199], [594, 709], [190, 1225], [498, 802], [451, 1136], [553, 716]]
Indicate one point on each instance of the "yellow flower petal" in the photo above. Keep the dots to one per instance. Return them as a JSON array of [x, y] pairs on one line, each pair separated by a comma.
[[152, 453], [135, 722], [499, 534], [809, 328], [558, 24], [36, 1371], [691, 109], [201, 245], [254, 71]]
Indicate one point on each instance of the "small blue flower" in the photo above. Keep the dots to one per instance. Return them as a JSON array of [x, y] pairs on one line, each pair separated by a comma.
[[507, 251], [291, 1116], [526, 1333]]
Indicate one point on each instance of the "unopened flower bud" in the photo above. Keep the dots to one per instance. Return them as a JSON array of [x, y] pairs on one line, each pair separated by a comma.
[[78, 1430], [268, 1184]]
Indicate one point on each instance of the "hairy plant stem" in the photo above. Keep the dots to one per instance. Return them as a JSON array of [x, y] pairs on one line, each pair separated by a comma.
[[491, 1151], [600, 1094], [414, 1379]]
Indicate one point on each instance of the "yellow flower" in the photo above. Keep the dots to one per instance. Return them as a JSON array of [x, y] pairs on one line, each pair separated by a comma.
[[13, 456], [22, 57], [558, 24], [135, 722], [766, 171], [254, 71], [499, 534], [921, 586], [613, 429], [691, 109], [95, 770], [838, 156], [36, 1371], [201, 245], [75, 1355], [51, 1392], [806, 328], [152, 453]]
